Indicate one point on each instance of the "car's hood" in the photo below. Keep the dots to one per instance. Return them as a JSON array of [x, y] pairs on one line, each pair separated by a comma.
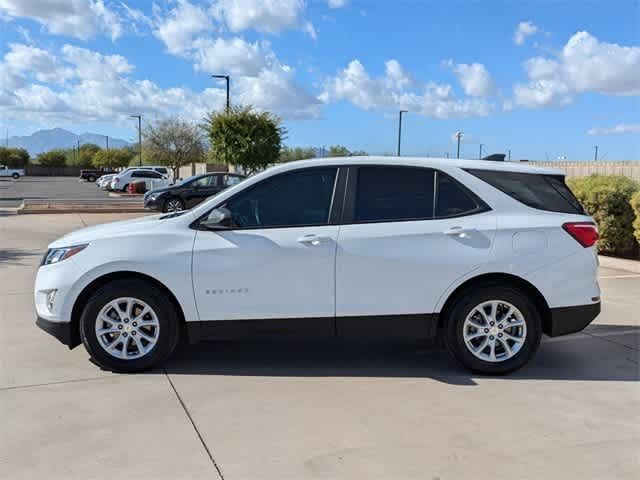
[[159, 190], [107, 230]]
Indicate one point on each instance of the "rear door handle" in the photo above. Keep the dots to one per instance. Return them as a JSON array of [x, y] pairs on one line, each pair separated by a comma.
[[460, 232], [313, 239]]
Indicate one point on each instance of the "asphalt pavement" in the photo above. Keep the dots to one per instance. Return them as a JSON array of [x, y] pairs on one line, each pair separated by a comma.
[[13, 192], [291, 410]]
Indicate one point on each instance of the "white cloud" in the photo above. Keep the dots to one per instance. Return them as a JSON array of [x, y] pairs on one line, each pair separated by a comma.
[[336, 3], [355, 85], [523, 30], [620, 129], [474, 78], [181, 24], [100, 87], [22, 62], [584, 65], [75, 18], [234, 56], [271, 16]]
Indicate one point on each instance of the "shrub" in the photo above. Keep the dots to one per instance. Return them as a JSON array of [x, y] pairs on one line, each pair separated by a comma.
[[52, 158], [14, 157], [607, 199], [635, 204], [114, 158]]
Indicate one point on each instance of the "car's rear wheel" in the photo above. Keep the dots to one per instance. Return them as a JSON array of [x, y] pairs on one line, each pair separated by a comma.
[[91, 179], [15, 176], [493, 330], [173, 204], [129, 326]]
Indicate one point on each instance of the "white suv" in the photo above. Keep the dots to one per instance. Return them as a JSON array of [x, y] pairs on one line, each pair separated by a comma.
[[489, 255]]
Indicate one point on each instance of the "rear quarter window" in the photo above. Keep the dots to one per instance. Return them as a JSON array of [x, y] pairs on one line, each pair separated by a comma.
[[540, 191]]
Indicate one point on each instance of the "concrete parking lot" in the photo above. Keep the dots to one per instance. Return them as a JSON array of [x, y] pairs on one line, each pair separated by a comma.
[[285, 410], [13, 192]]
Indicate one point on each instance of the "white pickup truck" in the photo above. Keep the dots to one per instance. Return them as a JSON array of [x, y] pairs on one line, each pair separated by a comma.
[[15, 173]]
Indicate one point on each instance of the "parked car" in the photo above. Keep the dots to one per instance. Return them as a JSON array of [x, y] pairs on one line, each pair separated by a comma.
[[14, 173], [93, 174], [489, 255], [151, 178], [190, 192], [104, 181]]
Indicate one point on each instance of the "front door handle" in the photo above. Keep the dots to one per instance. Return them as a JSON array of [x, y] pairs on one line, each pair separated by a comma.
[[313, 239], [459, 232]]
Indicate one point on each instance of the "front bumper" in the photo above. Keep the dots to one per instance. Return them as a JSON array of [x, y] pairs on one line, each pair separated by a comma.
[[155, 204], [62, 331], [566, 320]]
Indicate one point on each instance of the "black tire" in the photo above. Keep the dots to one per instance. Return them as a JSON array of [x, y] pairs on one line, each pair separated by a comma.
[[169, 331], [91, 179], [15, 176], [453, 333], [165, 208], [124, 189]]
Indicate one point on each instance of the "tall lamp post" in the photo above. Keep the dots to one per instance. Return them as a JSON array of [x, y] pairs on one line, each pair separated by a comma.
[[458, 136], [139, 117], [480, 155], [400, 129], [226, 78]]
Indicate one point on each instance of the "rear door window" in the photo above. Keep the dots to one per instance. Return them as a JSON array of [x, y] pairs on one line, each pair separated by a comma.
[[453, 200], [543, 192], [386, 194]]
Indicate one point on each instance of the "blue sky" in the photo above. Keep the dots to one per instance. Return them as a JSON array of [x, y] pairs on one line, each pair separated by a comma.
[[543, 78]]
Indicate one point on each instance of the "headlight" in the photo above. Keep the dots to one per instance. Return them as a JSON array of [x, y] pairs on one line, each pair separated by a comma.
[[56, 255]]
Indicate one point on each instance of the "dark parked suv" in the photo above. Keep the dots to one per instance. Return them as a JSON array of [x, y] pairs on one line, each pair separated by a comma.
[[190, 191]]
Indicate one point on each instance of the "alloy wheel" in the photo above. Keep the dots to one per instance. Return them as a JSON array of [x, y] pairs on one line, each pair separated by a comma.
[[127, 328], [494, 331], [174, 205]]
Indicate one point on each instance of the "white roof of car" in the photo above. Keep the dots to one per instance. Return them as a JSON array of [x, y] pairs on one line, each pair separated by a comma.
[[523, 167]]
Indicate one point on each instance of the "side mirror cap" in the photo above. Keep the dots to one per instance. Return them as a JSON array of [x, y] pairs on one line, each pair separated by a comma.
[[218, 219]]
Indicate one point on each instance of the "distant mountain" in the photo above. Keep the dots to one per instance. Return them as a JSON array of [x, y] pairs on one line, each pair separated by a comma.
[[44, 140]]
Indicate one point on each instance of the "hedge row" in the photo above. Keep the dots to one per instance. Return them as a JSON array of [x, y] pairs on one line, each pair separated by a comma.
[[608, 199]]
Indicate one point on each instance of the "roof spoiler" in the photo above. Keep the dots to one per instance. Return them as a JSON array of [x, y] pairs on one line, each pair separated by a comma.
[[495, 157]]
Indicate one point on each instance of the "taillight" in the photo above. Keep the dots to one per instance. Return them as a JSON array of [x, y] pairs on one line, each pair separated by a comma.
[[585, 233]]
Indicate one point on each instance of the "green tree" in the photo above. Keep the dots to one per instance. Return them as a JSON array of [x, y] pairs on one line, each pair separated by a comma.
[[52, 158], [174, 143], [288, 154], [113, 158], [338, 151], [14, 157], [246, 138], [83, 159]]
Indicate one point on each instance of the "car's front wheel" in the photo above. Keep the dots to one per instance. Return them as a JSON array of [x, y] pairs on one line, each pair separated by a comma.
[[493, 330], [173, 204], [129, 326], [16, 176]]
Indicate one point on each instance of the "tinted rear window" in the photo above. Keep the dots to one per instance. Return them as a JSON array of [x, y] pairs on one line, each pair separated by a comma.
[[388, 193], [544, 192]]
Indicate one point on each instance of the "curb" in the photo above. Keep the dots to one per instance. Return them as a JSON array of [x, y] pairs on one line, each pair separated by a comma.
[[48, 207], [619, 263]]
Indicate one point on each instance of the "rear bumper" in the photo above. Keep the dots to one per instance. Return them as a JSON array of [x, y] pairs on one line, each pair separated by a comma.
[[566, 320], [59, 330]]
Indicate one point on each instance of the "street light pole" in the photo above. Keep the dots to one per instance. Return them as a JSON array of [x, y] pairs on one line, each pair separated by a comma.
[[509, 153], [480, 155], [400, 129], [226, 77], [458, 136], [139, 117], [595, 158], [107, 139]]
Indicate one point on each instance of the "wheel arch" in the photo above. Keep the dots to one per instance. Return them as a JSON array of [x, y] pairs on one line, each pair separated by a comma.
[[99, 282], [499, 279]]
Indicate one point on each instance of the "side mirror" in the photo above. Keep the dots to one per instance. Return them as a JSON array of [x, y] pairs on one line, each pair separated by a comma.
[[218, 219]]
